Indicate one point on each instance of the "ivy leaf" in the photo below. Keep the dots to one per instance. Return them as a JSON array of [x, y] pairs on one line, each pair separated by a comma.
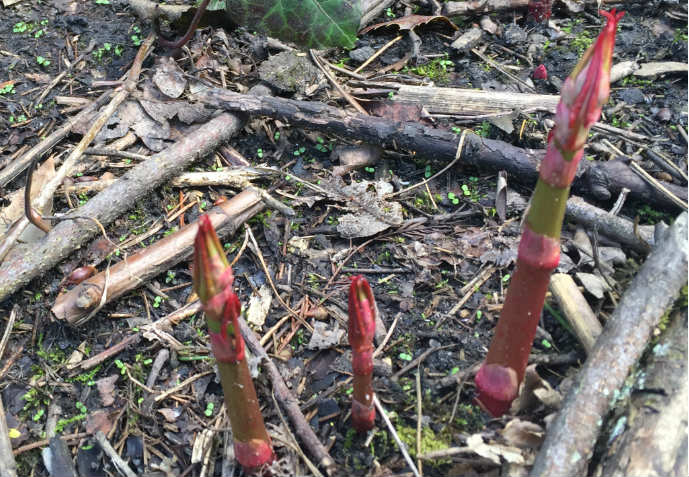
[[308, 23]]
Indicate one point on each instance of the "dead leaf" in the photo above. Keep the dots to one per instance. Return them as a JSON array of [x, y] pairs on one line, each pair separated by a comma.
[[374, 214], [170, 414], [169, 77], [105, 387], [352, 157], [523, 434], [494, 452], [324, 338], [100, 420], [410, 22], [535, 391], [259, 304]]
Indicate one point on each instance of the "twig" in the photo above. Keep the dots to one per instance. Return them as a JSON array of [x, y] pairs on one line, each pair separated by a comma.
[[572, 435], [350, 99], [49, 189], [290, 403], [382, 344], [458, 156], [402, 447], [112, 351], [380, 51], [120, 464], [103, 151], [8, 467], [294, 444], [19, 164], [419, 414], [502, 70], [64, 72], [258, 253], [418, 360], [657, 185], [44, 442], [8, 329], [180, 386], [619, 202]]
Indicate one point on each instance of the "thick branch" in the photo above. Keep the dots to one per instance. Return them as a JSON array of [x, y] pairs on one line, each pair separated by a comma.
[[601, 180], [24, 263], [78, 304], [571, 437]]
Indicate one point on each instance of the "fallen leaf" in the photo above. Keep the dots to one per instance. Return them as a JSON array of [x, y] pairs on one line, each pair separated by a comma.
[[105, 387], [259, 304], [353, 157], [324, 338], [523, 434], [169, 77], [501, 196], [494, 452], [170, 414], [100, 420], [535, 391], [410, 22]]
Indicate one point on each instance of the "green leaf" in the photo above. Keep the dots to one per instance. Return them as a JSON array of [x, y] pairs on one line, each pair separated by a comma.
[[308, 23]]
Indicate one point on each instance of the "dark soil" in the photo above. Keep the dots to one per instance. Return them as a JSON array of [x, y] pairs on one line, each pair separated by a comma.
[[437, 258]]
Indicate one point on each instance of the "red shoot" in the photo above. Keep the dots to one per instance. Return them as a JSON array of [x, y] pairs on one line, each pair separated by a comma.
[[362, 326], [540, 73], [212, 278], [584, 93]]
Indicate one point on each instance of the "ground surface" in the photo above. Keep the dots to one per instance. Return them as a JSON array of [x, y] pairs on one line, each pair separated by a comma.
[[419, 272]]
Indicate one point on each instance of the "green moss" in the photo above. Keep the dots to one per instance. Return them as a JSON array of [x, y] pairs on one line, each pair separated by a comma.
[[429, 441]]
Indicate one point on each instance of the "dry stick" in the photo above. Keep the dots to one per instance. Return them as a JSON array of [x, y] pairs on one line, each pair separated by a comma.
[[570, 439], [375, 55], [290, 403], [655, 183], [576, 309], [258, 253], [458, 156], [112, 351], [615, 227], [181, 385], [487, 154], [26, 263], [59, 77], [350, 99], [391, 428], [654, 441], [419, 413], [120, 464], [294, 444], [44, 442], [8, 329], [18, 165], [79, 304], [8, 467], [502, 70], [49, 189]]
